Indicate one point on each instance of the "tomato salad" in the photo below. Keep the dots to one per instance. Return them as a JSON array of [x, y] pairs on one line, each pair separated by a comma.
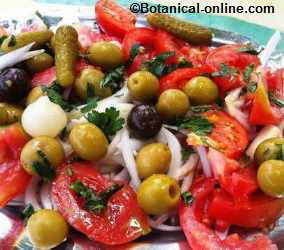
[[123, 131]]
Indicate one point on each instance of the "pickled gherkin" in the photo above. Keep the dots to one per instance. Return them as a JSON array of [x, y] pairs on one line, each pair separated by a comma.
[[189, 32], [66, 53], [15, 42]]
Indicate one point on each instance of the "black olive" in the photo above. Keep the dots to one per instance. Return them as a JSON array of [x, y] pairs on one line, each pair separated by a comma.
[[144, 121], [14, 85]]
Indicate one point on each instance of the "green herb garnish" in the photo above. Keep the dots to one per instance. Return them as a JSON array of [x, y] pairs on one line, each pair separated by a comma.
[[135, 50], [113, 79], [54, 94], [248, 71], [43, 167], [187, 198], [28, 211], [197, 124], [12, 41], [275, 100], [225, 71], [249, 50], [251, 87], [108, 121], [94, 202], [91, 104]]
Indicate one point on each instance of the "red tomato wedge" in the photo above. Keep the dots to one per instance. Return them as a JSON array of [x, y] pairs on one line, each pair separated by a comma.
[[259, 211], [48, 76], [200, 237], [121, 222], [261, 112], [14, 177], [178, 78], [114, 19], [165, 42], [228, 133], [143, 37], [233, 58]]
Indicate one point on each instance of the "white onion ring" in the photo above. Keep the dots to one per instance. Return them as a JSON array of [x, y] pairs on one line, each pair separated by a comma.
[[167, 228], [159, 220], [204, 160], [188, 166], [45, 196], [122, 175], [187, 182], [31, 193], [166, 137]]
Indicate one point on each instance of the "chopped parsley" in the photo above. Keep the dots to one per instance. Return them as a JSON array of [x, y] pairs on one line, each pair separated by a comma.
[[135, 50], [91, 104], [94, 202], [251, 87], [43, 167], [108, 121], [54, 93], [28, 211], [225, 71], [201, 108], [2, 38], [248, 71], [113, 79], [197, 124], [275, 100], [12, 41], [249, 50], [187, 198]]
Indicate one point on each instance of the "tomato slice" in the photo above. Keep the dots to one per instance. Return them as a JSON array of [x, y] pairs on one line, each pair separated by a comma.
[[165, 42], [259, 211], [178, 78], [114, 19], [143, 37], [121, 222], [230, 55], [48, 76], [230, 136], [14, 177], [261, 112]]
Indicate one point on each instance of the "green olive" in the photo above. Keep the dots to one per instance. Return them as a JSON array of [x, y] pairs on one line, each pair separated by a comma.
[[40, 62], [143, 86], [158, 194], [34, 94], [47, 229], [88, 84], [14, 112], [50, 147], [201, 90], [270, 177], [105, 54], [172, 104], [152, 159], [3, 116], [270, 149], [88, 141]]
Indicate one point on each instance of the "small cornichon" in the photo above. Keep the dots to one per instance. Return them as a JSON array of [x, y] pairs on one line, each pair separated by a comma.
[[66, 53]]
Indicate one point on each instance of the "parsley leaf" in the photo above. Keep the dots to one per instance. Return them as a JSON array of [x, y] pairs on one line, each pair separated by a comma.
[[197, 124], [248, 71], [275, 100], [201, 108], [113, 79], [12, 41], [2, 38], [135, 50], [94, 202], [187, 198], [28, 211], [251, 87], [54, 95], [249, 50], [43, 167], [225, 71], [108, 121], [91, 104]]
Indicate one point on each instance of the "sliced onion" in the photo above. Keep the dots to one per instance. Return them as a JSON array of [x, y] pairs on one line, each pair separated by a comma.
[[204, 160], [122, 175], [218, 162], [45, 196], [18, 55], [166, 137], [159, 220], [187, 182], [128, 157], [31, 194], [188, 166], [223, 235], [167, 228]]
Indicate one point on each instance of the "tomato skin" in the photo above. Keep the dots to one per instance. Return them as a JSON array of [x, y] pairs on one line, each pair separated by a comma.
[[261, 112], [15, 179], [114, 19], [230, 135], [112, 226], [178, 78], [259, 211], [230, 56]]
